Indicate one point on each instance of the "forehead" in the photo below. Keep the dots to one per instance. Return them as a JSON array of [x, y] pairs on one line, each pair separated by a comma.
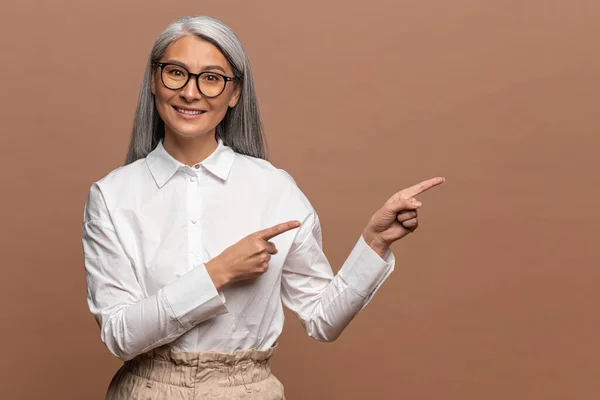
[[195, 53]]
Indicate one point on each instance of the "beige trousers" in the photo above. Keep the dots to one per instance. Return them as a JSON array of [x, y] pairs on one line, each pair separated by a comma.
[[162, 374]]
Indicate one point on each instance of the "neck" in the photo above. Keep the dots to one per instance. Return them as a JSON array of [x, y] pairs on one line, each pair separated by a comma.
[[190, 151]]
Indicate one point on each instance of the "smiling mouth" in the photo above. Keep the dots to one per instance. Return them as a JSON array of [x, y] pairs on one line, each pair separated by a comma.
[[188, 112]]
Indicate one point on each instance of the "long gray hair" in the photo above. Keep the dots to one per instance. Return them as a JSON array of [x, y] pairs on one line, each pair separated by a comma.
[[241, 128]]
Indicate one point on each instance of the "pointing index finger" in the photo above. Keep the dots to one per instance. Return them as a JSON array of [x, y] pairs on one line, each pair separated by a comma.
[[270, 233], [421, 187]]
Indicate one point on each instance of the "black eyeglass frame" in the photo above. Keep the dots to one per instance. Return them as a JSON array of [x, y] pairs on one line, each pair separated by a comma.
[[162, 65]]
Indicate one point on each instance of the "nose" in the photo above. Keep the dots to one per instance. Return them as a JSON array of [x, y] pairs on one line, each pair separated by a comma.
[[190, 91]]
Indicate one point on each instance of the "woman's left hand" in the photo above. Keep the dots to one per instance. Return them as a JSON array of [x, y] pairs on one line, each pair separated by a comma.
[[397, 218]]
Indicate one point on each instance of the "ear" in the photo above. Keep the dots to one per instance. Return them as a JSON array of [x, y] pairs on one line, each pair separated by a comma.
[[235, 96], [153, 82]]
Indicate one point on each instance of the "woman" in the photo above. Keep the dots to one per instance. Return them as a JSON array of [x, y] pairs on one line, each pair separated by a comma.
[[192, 247]]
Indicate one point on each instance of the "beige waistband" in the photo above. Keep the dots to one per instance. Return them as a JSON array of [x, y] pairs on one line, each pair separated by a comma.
[[187, 369]]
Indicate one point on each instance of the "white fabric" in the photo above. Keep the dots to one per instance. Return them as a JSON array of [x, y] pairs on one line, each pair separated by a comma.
[[150, 226]]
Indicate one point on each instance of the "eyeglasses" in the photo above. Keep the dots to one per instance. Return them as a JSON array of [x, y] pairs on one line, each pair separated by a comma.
[[210, 84]]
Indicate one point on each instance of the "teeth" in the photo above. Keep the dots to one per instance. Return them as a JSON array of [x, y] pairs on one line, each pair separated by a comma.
[[189, 112]]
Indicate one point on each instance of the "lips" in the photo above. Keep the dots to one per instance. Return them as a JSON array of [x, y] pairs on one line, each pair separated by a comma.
[[188, 111]]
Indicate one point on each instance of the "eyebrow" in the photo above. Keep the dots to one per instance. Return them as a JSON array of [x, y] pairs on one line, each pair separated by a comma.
[[205, 68]]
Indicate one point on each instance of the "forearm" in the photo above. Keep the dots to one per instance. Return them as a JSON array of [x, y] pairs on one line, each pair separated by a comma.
[[134, 328], [334, 310], [326, 311]]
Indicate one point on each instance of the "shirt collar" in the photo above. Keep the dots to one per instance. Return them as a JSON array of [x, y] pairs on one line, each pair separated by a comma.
[[163, 166]]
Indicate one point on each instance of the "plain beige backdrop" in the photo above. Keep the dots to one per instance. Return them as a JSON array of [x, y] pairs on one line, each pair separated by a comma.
[[496, 295]]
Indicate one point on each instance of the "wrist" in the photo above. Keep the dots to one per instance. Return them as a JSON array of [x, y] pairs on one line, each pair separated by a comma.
[[216, 274], [375, 243]]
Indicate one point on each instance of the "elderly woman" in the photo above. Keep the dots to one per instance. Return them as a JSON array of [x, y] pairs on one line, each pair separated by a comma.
[[192, 247]]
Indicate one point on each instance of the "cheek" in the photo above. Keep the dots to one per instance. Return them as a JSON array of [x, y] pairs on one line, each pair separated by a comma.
[[161, 101], [219, 105]]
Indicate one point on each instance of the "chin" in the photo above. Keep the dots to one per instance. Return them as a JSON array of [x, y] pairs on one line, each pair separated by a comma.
[[189, 132]]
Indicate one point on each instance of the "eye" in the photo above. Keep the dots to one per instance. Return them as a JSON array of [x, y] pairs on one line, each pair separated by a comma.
[[211, 78], [175, 71]]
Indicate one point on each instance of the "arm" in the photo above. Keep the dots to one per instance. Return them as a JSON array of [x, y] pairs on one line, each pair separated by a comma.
[[324, 303], [130, 322]]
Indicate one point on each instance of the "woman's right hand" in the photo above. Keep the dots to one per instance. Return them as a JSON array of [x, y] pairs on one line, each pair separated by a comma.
[[248, 258]]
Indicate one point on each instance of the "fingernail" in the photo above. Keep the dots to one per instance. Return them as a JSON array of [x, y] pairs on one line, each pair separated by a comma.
[[417, 204]]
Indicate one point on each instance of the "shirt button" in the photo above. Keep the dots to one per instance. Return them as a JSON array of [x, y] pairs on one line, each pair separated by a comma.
[[197, 166], [192, 179], [193, 221]]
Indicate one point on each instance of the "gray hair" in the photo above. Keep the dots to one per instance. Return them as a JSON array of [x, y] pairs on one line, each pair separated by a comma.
[[241, 128]]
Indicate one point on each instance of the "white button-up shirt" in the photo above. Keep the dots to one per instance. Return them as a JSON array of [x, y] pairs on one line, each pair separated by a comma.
[[150, 226]]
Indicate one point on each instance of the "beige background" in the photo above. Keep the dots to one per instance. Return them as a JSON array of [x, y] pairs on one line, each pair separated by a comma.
[[496, 295]]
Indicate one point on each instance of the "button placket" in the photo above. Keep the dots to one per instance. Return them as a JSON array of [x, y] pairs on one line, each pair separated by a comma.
[[193, 201], [193, 218], [203, 186], [196, 251]]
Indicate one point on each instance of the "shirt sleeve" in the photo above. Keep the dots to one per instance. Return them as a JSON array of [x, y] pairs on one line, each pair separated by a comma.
[[324, 303], [130, 322]]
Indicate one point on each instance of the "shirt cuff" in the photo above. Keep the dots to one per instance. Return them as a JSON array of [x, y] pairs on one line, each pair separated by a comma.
[[364, 270], [193, 297]]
